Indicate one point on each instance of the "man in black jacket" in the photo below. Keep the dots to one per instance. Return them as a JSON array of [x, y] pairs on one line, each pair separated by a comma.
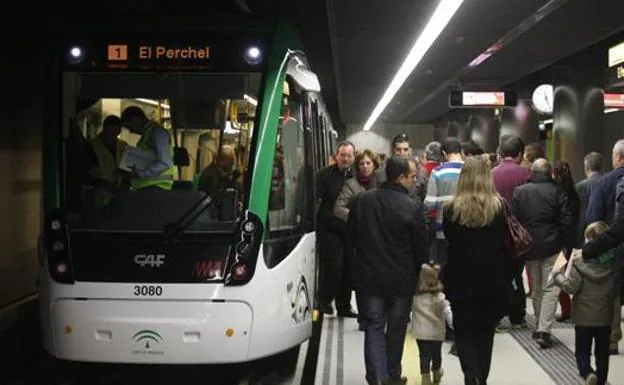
[[335, 280], [542, 207], [390, 239]]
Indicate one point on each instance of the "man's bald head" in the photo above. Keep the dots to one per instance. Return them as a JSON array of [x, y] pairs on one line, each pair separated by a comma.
[[541, 166], [226, 157]]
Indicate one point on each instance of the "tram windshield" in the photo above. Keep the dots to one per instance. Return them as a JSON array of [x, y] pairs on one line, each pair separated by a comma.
[[141, 150]]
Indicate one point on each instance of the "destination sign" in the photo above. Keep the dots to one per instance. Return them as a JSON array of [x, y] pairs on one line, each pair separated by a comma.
[[229, 51], [119, 52]]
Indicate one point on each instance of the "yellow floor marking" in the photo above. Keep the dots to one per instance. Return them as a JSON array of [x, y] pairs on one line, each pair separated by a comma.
[[410, 362]]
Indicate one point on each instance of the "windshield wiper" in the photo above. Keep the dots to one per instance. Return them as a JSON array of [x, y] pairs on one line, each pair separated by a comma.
[[172, 230]]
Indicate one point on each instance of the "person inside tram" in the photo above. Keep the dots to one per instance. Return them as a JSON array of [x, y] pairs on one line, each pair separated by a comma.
[[106, 153], [159, 170], [220, 174]]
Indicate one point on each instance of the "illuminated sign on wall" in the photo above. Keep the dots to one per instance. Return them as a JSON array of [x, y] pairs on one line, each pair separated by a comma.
[[616, 54], [482, 99], [614, 77], [614, 100]]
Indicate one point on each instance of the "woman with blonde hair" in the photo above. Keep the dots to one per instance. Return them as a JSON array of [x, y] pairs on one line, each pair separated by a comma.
[[475, 273]]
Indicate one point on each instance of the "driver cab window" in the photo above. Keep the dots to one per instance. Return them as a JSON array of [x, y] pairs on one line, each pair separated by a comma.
[[286, 199]]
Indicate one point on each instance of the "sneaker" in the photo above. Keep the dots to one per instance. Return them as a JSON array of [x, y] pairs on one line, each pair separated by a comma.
[[522, 325], [591, 379], [503, 328]]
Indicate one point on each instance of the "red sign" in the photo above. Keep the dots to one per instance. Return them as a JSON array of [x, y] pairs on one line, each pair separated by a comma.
[[614, 100], [208, 270]]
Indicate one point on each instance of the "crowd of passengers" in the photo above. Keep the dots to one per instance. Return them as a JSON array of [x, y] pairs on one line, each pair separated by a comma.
[[422, 241]]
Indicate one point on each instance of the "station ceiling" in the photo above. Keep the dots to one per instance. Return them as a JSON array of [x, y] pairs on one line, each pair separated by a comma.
[[356, 46]]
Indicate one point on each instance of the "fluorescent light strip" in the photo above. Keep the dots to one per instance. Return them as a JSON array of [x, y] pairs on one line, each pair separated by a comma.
[[154, 103], [438, 21]]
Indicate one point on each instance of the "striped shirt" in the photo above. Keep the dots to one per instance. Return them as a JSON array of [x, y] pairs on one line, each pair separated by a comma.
[[441, 188]]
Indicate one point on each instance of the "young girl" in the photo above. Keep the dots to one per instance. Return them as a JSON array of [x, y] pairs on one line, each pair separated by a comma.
[[430, 310], [593, 284]]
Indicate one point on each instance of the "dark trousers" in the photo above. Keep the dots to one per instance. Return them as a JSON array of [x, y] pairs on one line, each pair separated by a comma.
[[430, 355], [335, 278], [385, 334], [517, 299], [474, 348], [360, 301], [585, 335]]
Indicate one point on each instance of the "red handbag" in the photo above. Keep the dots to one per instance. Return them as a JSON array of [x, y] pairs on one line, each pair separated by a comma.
[[518, 241]]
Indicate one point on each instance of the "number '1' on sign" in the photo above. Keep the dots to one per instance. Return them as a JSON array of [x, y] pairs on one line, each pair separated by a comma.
[[117, 52]]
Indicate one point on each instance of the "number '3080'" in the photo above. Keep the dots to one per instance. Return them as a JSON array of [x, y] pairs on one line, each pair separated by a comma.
[[147, 291]]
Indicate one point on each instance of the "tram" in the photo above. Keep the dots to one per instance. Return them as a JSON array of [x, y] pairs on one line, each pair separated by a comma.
[[214, 260]]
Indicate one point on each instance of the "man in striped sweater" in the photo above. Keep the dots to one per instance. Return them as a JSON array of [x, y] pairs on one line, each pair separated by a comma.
[[441, 188]]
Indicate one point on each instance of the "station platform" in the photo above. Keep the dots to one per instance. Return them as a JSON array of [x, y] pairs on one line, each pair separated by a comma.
[[517, 359]]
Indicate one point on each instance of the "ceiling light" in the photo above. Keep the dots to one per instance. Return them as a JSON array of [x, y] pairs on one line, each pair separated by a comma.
[[251, 100], [438, 21]]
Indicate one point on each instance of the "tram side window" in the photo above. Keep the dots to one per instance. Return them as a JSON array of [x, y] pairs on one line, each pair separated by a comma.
[[286, 199]]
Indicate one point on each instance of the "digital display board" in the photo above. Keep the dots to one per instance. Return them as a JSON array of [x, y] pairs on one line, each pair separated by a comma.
[[614, 77], [482, 99], [614, 100]]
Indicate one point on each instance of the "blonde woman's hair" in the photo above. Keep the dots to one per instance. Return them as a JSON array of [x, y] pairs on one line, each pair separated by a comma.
[[428, 281], [594, 229], [476, 202]]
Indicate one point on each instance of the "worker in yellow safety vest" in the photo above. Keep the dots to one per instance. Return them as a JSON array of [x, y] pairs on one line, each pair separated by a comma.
[[108, 151], [155, 139]]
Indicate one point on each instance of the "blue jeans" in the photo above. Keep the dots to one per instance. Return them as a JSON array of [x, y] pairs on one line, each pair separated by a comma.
[[385, 334]]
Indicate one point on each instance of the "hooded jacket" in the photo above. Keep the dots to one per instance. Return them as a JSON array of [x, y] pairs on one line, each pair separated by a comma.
[[593, 285]]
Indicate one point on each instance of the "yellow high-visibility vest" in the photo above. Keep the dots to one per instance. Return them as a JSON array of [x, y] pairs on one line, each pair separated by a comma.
[[165, 179]]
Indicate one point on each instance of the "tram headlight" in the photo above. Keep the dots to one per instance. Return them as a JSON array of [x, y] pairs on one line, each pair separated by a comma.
[[61, 268], [76, 54], [253, 55]]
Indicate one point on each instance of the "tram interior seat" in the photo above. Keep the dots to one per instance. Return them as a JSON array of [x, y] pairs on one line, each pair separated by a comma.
[[181, 159]]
